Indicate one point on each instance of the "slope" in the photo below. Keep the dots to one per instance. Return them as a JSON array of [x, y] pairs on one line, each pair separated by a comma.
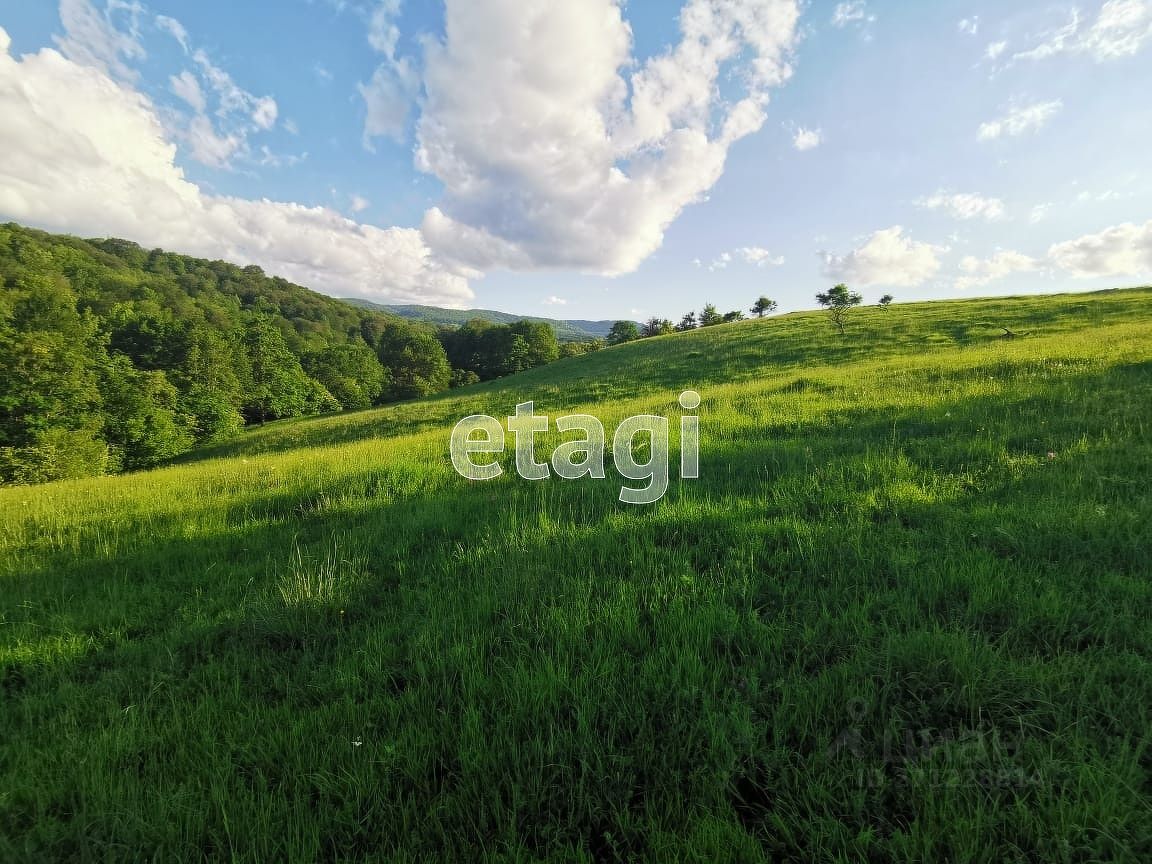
[[900, 616]]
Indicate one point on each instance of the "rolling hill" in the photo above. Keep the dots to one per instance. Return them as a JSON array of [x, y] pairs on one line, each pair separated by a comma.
[[900, 616], [566, 331]]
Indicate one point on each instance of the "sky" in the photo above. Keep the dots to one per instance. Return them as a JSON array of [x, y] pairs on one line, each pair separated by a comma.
[[594, 158]]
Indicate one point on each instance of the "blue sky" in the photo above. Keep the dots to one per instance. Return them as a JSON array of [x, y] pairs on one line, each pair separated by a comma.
[[593, 159]]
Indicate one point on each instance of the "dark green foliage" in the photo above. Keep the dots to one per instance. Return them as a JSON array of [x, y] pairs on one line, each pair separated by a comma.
[[710, 317], [351, 373], [656, 327], [115, 357], [494, 350], [763, 306], [623, 331], [688, 322], [838, 300], [885, 301], [575, 349], [417, 361], [141, 423]]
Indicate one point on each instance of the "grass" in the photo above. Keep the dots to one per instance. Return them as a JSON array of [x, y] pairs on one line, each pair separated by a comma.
[[901, 616]]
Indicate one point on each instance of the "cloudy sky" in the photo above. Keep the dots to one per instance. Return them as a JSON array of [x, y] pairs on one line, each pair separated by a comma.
[[594, 158]]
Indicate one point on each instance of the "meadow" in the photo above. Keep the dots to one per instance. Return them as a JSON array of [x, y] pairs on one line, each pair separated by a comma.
[[903, 615]]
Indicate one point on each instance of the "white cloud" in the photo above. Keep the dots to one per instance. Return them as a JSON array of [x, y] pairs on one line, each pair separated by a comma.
[[760, 256], [721, 262], [92, 38], [1121, 29], [187, 88], [807, 139], [555, 301], [389, 94], [852, 12], [970, 26], [1039, 213], [554, 167], [1122, 250], [994, 50], [233, 99], [964, 205], [174, 29], [1020, 119], [1054, 42], [887, 258], [359, 204], [981, 272], [207, 146], [386, 105], [88, 155]]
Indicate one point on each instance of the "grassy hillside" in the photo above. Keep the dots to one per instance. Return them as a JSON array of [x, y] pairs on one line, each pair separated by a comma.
[[901, 616], [566, 331]]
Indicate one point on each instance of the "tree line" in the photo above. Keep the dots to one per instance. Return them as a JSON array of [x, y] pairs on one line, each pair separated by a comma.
[[114, 357]]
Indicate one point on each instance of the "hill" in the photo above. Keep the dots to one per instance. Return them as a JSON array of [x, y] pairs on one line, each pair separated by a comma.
[[900, 616], [566, 331], [119, 358]]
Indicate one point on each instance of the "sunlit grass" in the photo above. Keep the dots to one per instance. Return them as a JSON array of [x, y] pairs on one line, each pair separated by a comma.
[[902, 615]]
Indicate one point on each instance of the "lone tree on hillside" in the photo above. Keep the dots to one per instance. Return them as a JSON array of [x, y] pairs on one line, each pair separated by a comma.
[[688, 322], [763, 307], [734, 315], [885, 301], [838, 301], [623, 331]]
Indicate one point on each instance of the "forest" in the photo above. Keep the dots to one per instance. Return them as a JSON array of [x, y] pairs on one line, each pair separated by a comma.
[[118, 358]]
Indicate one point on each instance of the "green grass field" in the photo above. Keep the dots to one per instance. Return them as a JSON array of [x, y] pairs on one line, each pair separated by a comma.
[[903, 615]]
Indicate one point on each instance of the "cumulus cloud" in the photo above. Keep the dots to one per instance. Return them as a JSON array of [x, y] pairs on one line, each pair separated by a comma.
[[995, 50], [86, 154], [555, 166], [888, 257], [807, 139], [1122, 250], [980, 272], [1020, 119], [1121, 29], [964, 205], [970, 26], [359, 204], [555, 301]]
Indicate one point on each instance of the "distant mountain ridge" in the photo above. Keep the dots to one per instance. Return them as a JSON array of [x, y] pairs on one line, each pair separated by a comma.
[[566, 331]]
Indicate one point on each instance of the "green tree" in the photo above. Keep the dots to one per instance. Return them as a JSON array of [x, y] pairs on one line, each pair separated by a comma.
[[278, 386], [351, 373], [763, 306], [416, 361], [688, 322], [141, 422], [50, 400], [734, 315], [656, 327], [710, 317], [838, 300], [886, 301], [623, 331]]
